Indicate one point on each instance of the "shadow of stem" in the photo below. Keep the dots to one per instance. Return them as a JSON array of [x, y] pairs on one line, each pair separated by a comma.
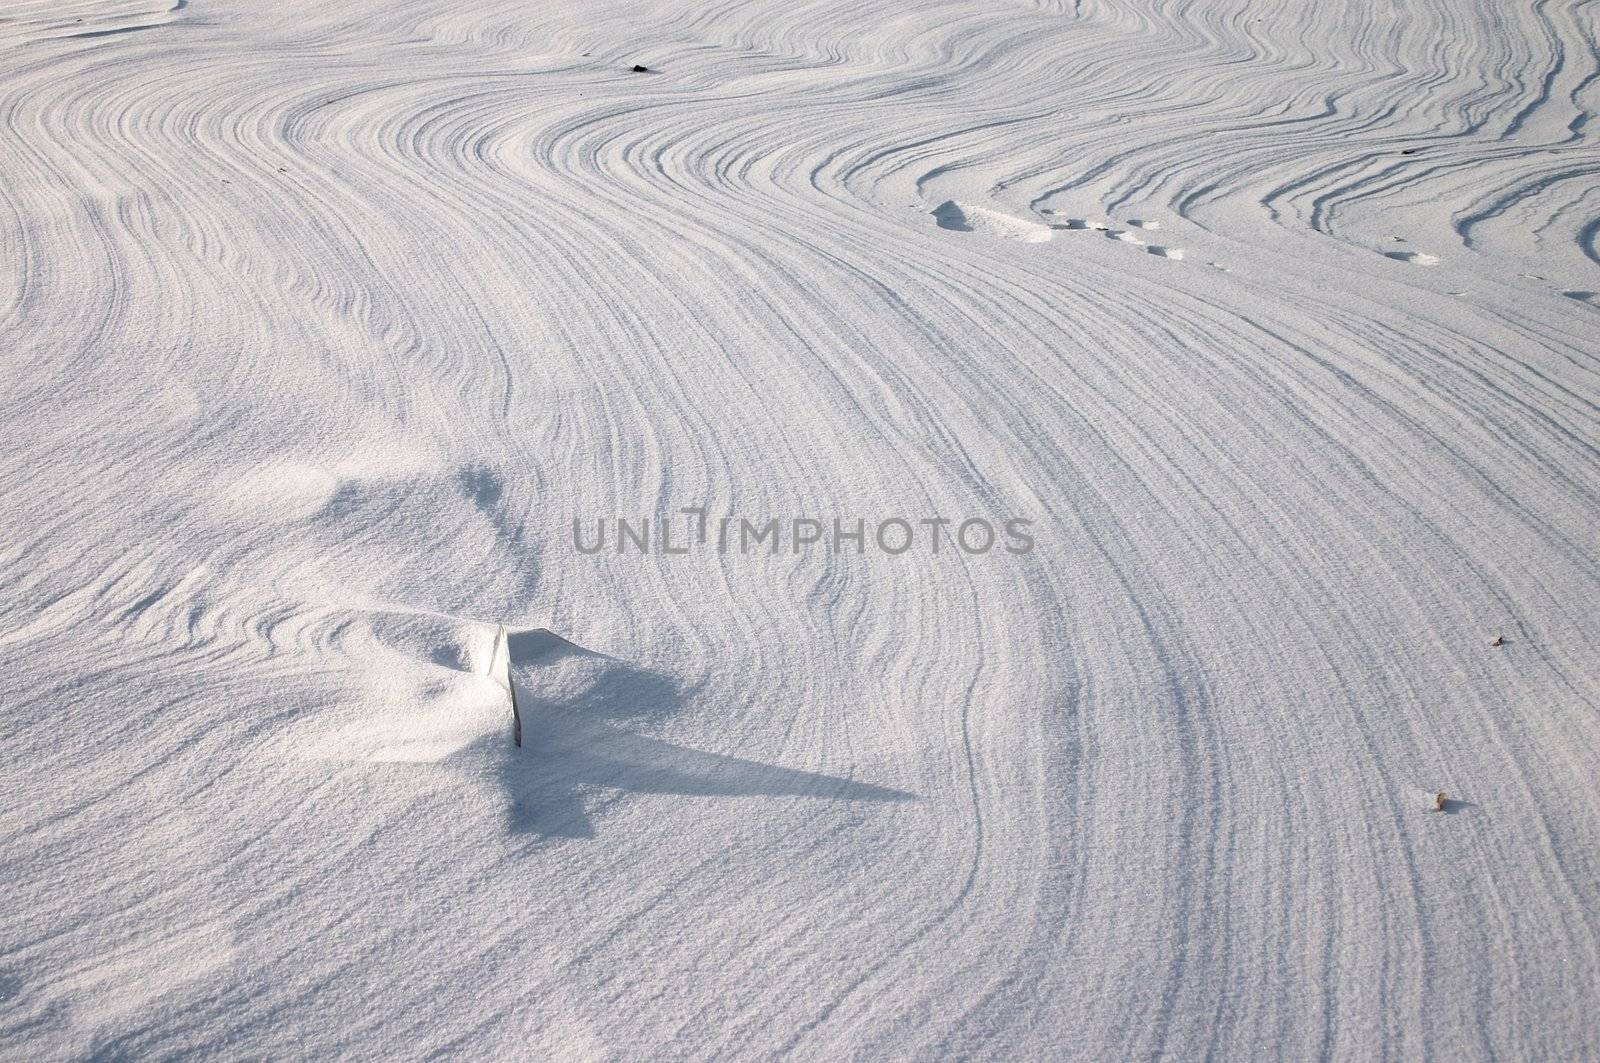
[[578, 707]]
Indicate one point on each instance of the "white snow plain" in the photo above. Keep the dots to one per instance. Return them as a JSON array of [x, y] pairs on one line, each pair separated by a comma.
[[324, 320]]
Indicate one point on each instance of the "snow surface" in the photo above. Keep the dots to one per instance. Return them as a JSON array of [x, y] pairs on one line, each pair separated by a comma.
[[324, 320]]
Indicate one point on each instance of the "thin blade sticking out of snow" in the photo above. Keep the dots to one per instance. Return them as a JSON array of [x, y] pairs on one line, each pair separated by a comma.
[[500, 672]]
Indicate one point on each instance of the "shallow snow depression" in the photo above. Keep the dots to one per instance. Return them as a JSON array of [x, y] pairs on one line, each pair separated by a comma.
[[324, 322]]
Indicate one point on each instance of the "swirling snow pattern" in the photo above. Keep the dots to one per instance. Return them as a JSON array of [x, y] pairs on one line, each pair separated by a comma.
[[324, 321]]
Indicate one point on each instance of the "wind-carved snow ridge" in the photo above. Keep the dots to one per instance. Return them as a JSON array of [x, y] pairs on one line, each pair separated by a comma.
[[323, 321]]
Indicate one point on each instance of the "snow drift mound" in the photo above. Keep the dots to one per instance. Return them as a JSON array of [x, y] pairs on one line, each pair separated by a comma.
[[963, 218]]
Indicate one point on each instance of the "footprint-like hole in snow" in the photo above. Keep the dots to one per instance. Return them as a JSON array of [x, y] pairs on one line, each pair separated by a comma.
[[1124, 236], [1165, 252], [430, 638], [1592, 298], [1080, 224], [965, 218], [1416, 258], [1143, 223]]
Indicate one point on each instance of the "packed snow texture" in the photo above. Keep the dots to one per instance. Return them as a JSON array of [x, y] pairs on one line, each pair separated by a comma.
[[324, 320]]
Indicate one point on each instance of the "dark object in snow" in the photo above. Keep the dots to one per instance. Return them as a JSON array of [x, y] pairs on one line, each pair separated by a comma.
[[1498, 640], [639, 68], [1408, 151], [1437, 802]]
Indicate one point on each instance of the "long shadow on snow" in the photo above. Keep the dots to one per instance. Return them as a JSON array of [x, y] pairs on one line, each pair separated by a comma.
[[579, 736]]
